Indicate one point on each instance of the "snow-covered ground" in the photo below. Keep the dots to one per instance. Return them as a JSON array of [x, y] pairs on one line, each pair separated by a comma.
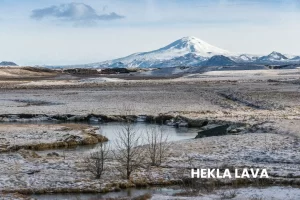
[[26, 171], [32, 136], [49, 83], [100, 80], [250, 193], [283, 74], [69, 82], [21, 72], [270, 107], [280, 154]]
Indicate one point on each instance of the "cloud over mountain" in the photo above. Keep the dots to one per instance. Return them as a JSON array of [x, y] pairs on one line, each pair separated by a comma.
[[78, 13]]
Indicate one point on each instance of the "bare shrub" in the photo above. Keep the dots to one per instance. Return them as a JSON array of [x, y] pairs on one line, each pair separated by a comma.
[[296, 141], [228, 194], [194, 186], [96, 161], [143, 197], [128, 110], [255, 197], [127, 153], [190, 186], [158, 148]]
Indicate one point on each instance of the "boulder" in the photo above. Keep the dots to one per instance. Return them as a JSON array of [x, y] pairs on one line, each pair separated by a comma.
[[216, 131], [53, 154]]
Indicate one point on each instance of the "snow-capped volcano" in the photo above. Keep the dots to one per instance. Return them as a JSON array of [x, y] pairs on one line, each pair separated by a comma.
[[187, 45], [190, 52], [173, 54]]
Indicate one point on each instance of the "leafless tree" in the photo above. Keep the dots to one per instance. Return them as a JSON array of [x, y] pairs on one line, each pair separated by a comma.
[[127, 153], [128, 111], [158, 148], [96, 161]]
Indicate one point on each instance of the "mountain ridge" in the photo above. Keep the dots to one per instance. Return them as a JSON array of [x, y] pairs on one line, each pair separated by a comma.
[[188, 51]]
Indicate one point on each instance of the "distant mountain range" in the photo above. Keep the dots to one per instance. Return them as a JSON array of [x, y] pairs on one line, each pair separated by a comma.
[[191, 52], [187, 52], [7, 63]]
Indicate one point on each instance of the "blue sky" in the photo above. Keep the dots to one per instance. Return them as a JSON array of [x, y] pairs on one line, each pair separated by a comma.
[[74, 32]]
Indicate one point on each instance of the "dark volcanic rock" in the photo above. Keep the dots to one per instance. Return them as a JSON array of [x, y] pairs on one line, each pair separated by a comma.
[[53, 154], [115, 71], [217, 131], [81, 71]]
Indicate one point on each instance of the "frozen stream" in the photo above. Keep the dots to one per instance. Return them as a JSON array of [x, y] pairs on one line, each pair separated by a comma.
[[112, 129], [131, 192]]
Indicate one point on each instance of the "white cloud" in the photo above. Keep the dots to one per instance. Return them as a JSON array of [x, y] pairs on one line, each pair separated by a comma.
[[79, 13]]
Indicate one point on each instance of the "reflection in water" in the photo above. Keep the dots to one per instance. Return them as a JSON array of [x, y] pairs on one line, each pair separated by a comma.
[[131, 192], [110, 130]]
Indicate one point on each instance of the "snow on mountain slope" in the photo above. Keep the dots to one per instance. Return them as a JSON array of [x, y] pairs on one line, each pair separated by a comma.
[[187, 45], [296, 58], [274, 56], [176, 53], [244, 58], [190, 52]]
